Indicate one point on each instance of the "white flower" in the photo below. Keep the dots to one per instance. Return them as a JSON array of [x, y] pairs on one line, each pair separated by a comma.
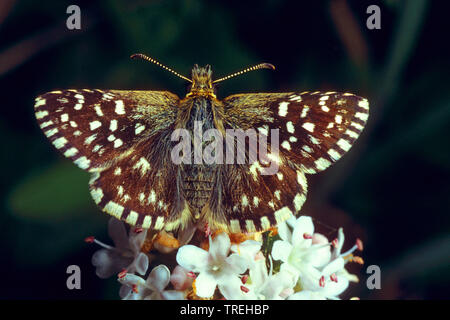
[[331, 280], [298, 253], [261, 284], [136, 288], [334, 278], [215, 267], [125, 255]]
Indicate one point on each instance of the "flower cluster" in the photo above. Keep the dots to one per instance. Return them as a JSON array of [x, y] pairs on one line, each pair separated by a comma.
[[294, 263]]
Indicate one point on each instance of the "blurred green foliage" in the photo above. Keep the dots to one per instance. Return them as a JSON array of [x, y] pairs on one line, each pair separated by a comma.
[[393, 185]]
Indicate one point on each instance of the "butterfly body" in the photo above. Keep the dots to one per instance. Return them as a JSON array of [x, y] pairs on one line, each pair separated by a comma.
[[126, 140]]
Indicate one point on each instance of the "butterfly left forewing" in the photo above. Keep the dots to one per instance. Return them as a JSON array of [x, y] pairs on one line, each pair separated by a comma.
[[96, 127]]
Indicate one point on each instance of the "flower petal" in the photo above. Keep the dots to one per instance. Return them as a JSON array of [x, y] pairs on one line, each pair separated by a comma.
[[258, 273], [277, 283], [159, 277], [192, 258], [304, 225], [281, 250], [141, 263], [247, 249], [136, 240], [333, 267], [219, 246], [236, 264], [180, 279], [118, 233], [333, 289], [108, 263], [205, 285], [284, 232], [231, 290]]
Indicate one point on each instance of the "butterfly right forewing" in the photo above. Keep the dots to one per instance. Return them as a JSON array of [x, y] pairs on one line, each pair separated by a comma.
[[315, 130]]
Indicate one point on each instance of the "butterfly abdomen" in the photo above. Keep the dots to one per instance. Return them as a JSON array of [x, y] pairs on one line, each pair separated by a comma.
[[198, 176]]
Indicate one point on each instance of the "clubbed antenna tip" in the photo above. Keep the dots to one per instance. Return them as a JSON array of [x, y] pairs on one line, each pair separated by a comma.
[[257, 67]]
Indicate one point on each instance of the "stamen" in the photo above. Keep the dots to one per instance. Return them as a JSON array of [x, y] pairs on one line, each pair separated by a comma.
[[359, 244], [349, 252], [135, 288], [357, 259], [122, 274], [322, 281], [333, 277], [335, 243], [89, 239], [244, 279], [307, 236], [245, 289]]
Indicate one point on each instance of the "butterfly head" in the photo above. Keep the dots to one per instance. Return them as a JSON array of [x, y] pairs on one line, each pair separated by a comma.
[[202, 84]]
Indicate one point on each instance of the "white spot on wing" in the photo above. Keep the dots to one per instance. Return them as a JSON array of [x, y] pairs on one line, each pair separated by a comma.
[[286, 145], [60, 142], [113, 125], [322, 164], [290, 127], [120, 107], [304, 111], [41, 114], [83, 162], [139, 128], [283, 109], [90, 139], [308, 126], [362, 116], [95, 124], [344, 144], [71, 152], [143, 165], [118, 143]]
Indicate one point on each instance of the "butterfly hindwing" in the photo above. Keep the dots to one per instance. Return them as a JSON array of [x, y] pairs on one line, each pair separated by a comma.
[[143, 188]]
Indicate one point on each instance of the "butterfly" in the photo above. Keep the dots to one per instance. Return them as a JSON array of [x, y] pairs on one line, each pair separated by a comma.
[[124, 138]]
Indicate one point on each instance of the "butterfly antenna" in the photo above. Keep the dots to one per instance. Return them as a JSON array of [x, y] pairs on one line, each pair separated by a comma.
[[144, 57], [257, 67]]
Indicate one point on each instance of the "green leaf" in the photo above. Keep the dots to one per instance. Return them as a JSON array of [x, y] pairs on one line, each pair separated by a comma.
[[55, 194]]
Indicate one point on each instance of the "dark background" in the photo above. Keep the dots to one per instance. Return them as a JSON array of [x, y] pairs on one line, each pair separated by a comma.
[[391, 190]]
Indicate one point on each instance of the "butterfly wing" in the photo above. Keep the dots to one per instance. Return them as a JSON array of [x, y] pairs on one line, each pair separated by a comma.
[[315, 130], [120, 137]]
